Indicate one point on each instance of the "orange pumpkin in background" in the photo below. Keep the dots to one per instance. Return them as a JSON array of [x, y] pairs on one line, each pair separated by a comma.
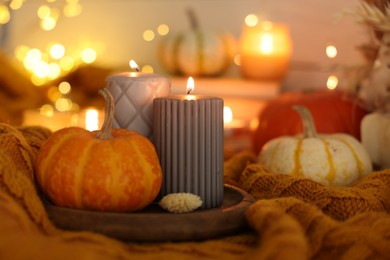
[[333, 112], [107, 170]]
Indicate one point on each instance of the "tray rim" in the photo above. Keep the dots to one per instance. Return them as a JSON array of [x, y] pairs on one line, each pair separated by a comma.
[[197, 225]]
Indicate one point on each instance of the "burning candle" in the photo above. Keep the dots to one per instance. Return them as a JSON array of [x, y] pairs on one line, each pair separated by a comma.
[[188, 135], [92, 120], [133, 93], [265, 51]]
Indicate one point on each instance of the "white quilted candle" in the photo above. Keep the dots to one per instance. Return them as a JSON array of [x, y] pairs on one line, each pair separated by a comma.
[[133, 93]]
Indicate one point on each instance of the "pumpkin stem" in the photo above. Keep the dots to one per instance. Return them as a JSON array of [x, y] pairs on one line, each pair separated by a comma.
[[309, 129], [193, 19], [105, 132]]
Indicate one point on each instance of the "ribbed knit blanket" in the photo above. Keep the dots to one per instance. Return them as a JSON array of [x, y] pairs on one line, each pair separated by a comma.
[[292, 218]]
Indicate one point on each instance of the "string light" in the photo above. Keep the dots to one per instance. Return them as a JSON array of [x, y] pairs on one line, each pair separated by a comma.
[[46, 13], [332, 82], [251, 20], [331, 51], [148, 35]]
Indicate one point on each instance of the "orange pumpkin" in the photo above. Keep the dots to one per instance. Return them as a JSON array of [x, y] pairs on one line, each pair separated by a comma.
[[107, 170]]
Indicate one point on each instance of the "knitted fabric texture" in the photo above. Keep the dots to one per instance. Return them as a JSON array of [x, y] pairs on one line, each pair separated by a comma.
[[293, 218]]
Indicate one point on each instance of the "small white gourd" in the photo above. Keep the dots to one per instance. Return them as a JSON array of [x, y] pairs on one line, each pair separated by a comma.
[[375, 136], [335, 159]]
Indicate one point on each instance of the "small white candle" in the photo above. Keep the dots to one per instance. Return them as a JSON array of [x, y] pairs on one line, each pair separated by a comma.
[[133, 93], [265, 51], [188, 135], [92, 120]]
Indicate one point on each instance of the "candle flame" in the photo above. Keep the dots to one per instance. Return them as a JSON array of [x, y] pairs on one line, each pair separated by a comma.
[[190, 85], [133, 65], [92, 120], [227, 115], [267, 43]]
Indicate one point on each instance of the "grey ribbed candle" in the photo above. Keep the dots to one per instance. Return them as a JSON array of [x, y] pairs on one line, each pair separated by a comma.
[[188, 136]]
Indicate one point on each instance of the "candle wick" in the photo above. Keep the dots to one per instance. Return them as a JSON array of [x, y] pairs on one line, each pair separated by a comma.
[[137, 69], [189, 91]]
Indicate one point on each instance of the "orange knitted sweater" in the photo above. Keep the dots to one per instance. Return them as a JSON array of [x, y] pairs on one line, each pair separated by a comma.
[[292, 218]]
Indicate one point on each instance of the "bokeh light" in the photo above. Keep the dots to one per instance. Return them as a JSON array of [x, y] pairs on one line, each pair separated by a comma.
[[5, 16], [163, 29], [227, 114], [147, 69], [57, 51], [148, 35], [331, 51], [64, 88], [88, 55], [332, 82], [47, 110], [67, 63], [251, 20], [16, 4]]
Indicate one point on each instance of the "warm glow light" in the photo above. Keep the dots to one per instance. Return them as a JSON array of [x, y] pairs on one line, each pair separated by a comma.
[[133, 65], [265, 51], [37, 81], [332, 82], [251, 20], [33, 57], [63, 104], [41, 69], [67, 63], [148, 35], [48, 23], [331, 51], [57, 51], [72, 9], [147, 69], [267, 25], [88, 55], [43, 11], [4, 14], [53, 94], [47, 110], [16, 4], [237, 59], [21, 52], [64, 88], [54, 71], [190, 85], [254, 123], [163, 29], [227, 115], [92, 120], [267, 43]]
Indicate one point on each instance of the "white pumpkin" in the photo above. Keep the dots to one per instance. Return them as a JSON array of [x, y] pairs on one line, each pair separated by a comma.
[[335, 160], [375, 136], [197, 53]]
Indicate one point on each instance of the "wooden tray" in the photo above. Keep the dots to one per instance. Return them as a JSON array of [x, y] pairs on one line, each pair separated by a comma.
[[153, 224]]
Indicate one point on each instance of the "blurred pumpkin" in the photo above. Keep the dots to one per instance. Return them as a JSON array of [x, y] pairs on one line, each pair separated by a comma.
[[197, 52], [106, 170], [342, 113], [335, 159], [375, 129]]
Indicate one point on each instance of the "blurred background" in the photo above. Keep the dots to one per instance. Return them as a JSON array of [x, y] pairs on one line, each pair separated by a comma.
[[56, 54]]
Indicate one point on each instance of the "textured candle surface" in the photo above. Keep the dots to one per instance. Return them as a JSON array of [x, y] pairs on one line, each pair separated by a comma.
[[133, 94], [188, 135]]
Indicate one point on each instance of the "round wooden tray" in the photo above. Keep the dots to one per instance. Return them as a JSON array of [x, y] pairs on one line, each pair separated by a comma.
[[153, 224]]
